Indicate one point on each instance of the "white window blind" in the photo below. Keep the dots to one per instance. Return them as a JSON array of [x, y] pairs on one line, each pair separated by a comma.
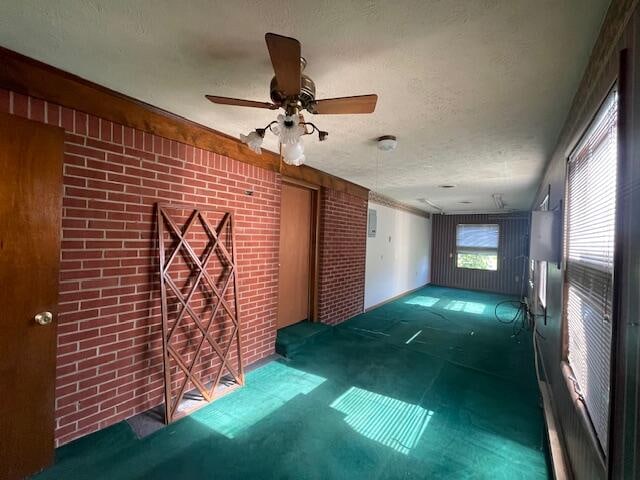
[[477, 246], [589, 252], [477, 236]]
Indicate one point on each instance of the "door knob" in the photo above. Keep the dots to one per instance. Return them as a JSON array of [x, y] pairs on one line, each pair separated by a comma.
[[44, 318]]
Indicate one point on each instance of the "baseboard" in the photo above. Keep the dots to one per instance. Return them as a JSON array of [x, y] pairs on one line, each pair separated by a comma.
[[559, 463], [373, 307]]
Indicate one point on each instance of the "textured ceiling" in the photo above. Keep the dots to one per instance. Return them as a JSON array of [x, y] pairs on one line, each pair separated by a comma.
[[476, 91]]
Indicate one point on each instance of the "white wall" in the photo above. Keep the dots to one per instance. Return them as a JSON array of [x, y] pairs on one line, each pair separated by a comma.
[[398, 257]]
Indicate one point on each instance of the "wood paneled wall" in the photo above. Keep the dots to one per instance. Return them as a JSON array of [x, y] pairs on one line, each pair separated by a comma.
[[513, 251]]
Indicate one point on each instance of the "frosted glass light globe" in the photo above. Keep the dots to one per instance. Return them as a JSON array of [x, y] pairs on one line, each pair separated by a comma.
[[253, 141], [288, 129], [293, 153]]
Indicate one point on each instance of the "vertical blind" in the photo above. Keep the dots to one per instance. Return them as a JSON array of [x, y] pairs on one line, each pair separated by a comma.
[[589, 250]]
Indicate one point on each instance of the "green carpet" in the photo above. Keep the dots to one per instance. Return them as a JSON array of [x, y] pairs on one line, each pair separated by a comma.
[[429, 386], [292, 338]]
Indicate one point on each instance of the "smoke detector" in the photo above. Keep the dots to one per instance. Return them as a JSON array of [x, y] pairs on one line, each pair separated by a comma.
[[386, 143]]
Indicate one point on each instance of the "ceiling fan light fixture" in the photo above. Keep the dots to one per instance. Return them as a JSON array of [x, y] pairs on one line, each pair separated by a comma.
[[288, 128], [294, 92], [293, 153], [254, 140]]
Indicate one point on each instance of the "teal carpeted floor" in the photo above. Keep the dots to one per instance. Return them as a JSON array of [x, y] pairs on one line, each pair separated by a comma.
[[294, 337], [428, 386]]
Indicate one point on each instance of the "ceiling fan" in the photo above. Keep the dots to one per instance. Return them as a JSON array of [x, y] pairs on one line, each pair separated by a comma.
[[293, 91]]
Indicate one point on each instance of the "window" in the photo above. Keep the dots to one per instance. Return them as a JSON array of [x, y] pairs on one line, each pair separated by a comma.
[[542, 278], [589, 251], [477, 246], [542, 285]]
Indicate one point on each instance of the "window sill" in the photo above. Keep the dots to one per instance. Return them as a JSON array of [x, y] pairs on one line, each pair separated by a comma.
[[477, 269]]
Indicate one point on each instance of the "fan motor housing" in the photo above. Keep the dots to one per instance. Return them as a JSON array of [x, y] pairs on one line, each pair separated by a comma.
[[307, 90]]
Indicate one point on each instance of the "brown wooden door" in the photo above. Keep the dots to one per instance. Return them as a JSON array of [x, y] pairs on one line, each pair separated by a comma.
[[295, 254], [30, 212]]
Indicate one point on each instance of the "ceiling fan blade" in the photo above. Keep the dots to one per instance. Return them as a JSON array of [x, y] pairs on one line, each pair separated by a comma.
[[285, 58], [241, 103], [345, 105]]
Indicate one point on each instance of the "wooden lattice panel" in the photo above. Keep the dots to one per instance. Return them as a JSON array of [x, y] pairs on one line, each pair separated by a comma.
[[200, 314]]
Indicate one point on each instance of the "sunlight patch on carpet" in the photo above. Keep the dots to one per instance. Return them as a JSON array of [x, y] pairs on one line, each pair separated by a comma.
[[422, 301], [388, 421], [467, 307], [267, 389]]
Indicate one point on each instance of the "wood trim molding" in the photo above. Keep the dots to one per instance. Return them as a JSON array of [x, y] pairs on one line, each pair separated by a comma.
[[390, 202], [317, 177], [301, 183], [25, 75]]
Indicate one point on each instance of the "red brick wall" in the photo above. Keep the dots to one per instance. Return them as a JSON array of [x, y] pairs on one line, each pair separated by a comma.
[[109, 364], [343, 229], [109, 341]]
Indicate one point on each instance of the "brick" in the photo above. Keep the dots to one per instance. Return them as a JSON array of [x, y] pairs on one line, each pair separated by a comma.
[[36, 109], [67, 119], [106, 146], [80, 123], [20, 105], [53, 114], [84, 152], [109, 341], [105, 130], [4, 100], [93, 127]]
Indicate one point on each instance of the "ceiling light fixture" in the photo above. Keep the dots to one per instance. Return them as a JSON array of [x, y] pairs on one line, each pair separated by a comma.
[[289, 129], [387, 143], [446, 186]]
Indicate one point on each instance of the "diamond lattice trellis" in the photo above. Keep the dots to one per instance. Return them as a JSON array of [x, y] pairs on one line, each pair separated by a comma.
[[199, 310]]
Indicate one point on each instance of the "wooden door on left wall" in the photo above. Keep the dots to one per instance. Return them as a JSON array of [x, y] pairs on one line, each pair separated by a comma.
[[295, 255], [31, 155]]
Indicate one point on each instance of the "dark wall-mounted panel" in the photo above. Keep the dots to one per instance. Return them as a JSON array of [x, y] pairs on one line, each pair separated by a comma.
[[511, 275]]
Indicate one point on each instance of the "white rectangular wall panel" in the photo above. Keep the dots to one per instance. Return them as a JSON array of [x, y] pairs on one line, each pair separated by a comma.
[[398, 256], [545, 237]]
